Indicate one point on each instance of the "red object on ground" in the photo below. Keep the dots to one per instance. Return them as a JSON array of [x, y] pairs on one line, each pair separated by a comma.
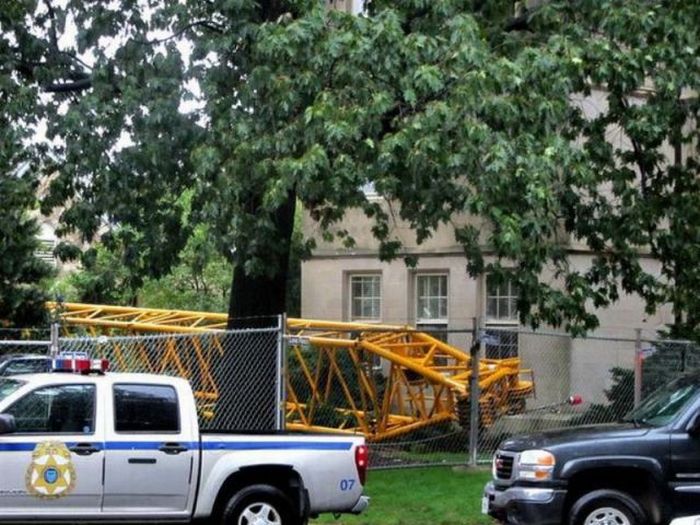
[[575, 400]]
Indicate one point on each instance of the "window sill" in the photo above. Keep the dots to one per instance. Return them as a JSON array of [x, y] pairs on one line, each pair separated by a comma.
[[502, 322]]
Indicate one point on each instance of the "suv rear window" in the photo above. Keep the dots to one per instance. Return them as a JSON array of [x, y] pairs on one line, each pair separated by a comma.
[[146, 408], [26, 366]]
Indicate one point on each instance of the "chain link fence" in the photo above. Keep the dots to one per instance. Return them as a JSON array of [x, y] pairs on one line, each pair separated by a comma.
[[235, 375], [577, 381], [22, 350], [661, 361], [610, 375], [411, 393]]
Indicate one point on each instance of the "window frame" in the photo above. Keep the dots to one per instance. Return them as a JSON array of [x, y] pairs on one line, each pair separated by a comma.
[[504, 349], [425, 321], [142, 432], [497, 320], [351, 297], [58, 385], [45, 250], [346, 8]]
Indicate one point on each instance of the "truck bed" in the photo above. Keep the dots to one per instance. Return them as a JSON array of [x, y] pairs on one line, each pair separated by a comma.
[[325, 463]]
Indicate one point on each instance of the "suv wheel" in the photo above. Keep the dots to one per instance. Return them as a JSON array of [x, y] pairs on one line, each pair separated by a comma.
[[607, 507], [259, 505]]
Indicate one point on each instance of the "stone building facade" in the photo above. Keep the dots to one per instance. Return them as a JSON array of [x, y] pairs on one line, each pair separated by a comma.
[[438, 294]]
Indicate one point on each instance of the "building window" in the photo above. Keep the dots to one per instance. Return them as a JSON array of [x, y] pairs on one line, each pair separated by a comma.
[[431, 304], [348, 6], [365, 297], [501, 339], [369, 190], [501, 343], [340, 5], [431, 299], [501, 301], [45, 251]]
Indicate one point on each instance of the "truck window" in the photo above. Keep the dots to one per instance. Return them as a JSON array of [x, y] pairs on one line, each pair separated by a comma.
[[56, 409], [9, 386], [146, 408]]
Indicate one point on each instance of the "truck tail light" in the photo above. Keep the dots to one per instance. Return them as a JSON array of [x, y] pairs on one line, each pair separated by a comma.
[[362, 462]]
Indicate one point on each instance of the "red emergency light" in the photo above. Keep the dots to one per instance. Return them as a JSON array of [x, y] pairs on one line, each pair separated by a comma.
[[80, 365]]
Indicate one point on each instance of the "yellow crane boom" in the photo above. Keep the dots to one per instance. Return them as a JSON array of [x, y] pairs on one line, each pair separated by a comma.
[[382, 381]]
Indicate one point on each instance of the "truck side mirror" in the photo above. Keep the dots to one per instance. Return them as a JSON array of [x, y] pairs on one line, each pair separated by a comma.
[[694, 426], [7, 424]]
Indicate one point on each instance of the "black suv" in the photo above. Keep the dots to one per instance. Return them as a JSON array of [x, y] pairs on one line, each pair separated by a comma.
[[16, 364], [645, 470]]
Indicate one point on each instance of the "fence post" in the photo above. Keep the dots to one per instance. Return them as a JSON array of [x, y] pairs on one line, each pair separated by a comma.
[[474, 395], [54, 346], [281, 364], [684, 356], [638, 367]]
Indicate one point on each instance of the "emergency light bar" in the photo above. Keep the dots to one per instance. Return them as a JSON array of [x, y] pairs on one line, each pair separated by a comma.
[[79, 364]]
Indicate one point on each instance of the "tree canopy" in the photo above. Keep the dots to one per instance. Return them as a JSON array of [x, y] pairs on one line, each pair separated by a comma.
[[200, 281], [21, 272], [451, 109], [21, 297]]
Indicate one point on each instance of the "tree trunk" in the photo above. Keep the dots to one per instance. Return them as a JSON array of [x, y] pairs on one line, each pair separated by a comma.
[[260, 298], [256, 300], [245, 372]]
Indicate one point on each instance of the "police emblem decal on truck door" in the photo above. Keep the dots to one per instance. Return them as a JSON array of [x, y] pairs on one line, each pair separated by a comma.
[[51, 473]]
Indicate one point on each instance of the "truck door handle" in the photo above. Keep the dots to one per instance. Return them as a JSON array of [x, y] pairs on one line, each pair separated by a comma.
[[142, 461], [173, 448], [84, 449]]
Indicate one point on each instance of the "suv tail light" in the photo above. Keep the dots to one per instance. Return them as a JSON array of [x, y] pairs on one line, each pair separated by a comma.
[[362, 462]]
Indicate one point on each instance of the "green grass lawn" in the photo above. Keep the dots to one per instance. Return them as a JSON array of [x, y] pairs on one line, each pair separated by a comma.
[[436, 496]]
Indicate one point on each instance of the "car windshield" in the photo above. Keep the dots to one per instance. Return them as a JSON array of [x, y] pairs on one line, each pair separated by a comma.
[[666, 403], [8, 386]]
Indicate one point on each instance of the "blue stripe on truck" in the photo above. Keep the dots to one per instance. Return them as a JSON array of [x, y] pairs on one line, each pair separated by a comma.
[[17, 447], [206, 445], [272, 445], [29, 447]]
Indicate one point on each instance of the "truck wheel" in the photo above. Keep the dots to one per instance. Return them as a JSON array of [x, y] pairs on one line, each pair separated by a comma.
[[607, 507], [259, 505]]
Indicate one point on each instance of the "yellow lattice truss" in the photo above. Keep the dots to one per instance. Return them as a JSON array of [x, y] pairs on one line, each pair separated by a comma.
[[378, 380]]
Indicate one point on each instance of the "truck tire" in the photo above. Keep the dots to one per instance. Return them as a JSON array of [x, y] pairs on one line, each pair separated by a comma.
[[603, 507], [259, 505]]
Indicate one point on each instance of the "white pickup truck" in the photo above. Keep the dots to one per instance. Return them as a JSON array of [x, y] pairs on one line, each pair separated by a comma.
[[127, 448]]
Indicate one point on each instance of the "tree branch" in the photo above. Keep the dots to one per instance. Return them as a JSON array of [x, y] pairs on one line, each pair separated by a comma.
[[270, 10], [56, 57], [52, 26], [69, 87], [644, 170], [76, 59], [520, 23], [208, 24], [83, 81]]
